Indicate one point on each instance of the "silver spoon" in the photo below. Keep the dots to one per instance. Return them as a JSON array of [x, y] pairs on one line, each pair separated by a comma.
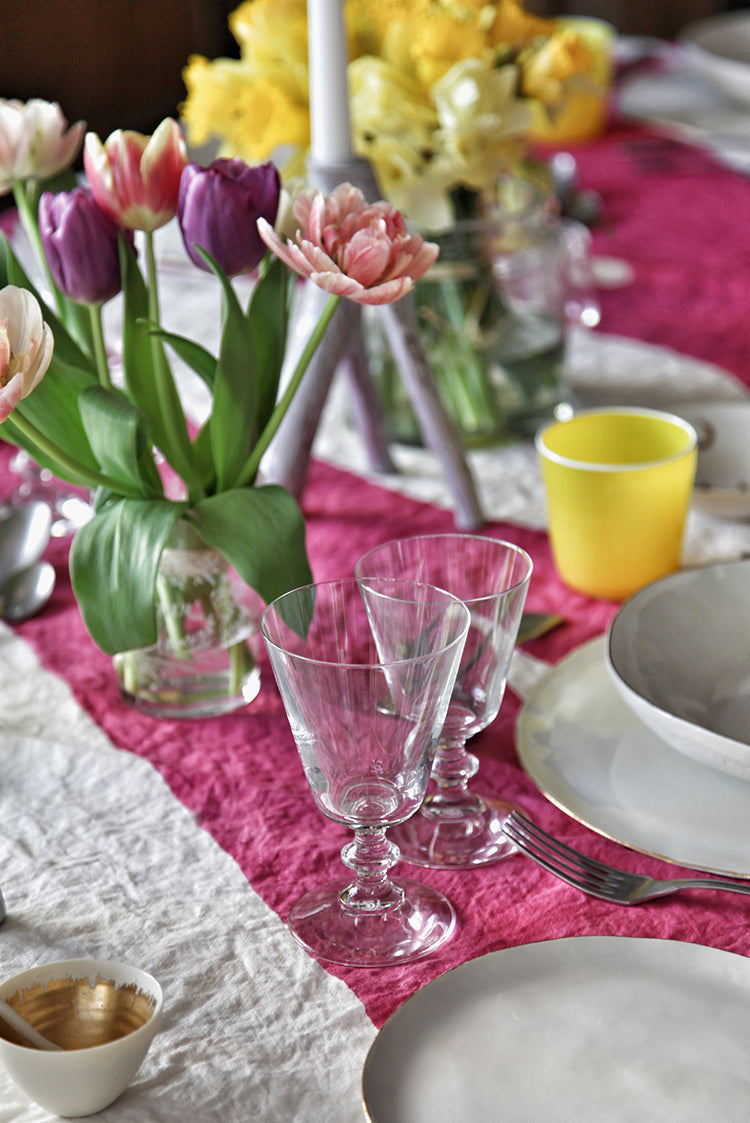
[[26, 591], [24, 535], [30, 1035]]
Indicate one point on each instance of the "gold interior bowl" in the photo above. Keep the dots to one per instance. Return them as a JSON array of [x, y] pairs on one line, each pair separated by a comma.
[[102, 1014]]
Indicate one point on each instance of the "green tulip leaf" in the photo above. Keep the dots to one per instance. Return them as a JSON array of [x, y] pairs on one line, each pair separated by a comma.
[[114, 561], [261, 533], [203, 456], [233, 423], [268, 317], [197, 358], [148, 377], [52, 408], [120, 436], [137, 356]]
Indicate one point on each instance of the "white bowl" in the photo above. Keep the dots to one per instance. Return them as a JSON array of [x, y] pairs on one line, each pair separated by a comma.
[[722, 478], [104, 1014], [677, 653], [718, 48]]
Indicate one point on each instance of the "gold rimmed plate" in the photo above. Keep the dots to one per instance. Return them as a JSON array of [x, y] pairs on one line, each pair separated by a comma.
[[590, 755]]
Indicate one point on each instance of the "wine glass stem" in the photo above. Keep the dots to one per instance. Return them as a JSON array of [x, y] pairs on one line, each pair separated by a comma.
[[370, 856], [452, 769]]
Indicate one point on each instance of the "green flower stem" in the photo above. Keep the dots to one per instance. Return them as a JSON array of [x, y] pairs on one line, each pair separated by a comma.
[[100, 349], [241, 664], [25, 197], [67, 465], [478, 407], [72, 315], [179, 454], [173, 622], [249, 472]]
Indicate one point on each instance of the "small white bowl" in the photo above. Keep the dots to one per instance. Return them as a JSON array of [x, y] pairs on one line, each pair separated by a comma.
[[722, 479], [677, 653], [103, 1014]]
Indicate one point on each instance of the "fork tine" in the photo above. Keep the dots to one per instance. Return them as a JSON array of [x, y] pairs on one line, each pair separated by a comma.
[[555, 869], [533, 832], [557, 858], [577, 880]]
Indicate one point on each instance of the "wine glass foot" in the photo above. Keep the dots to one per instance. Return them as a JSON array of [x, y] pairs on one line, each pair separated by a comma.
[[419, 925], [440, 840]]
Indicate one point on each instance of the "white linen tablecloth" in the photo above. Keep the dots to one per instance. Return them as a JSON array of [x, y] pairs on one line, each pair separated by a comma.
[[98, 858]]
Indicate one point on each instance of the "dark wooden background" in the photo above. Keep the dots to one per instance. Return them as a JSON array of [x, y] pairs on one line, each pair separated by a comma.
[[118, 63]]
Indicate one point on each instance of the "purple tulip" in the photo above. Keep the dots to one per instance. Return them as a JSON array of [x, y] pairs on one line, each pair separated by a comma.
[[218, 209], [80, 244]]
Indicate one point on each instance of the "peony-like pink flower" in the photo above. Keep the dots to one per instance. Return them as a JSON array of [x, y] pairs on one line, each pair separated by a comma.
[[35, 141], [353, 248], [134, 178], [26, 345]]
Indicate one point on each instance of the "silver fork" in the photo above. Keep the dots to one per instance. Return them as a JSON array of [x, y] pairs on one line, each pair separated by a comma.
[[596, 878]]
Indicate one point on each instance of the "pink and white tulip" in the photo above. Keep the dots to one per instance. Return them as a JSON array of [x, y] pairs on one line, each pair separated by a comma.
[[26, 345], [35, 141], [353, 248], [134, 178]]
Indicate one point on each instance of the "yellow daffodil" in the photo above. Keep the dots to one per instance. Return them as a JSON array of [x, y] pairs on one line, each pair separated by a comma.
[[483, 124], [512, 25], [440, 90]]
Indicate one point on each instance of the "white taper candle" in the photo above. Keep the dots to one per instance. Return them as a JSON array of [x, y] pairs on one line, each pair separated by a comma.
[[330, 123]]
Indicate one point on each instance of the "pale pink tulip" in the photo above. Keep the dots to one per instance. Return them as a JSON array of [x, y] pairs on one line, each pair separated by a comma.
[[352, 248], [35, 141], [25, 347], [134, 178]]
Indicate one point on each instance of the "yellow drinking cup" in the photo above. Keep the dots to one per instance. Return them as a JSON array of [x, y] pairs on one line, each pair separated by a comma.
[[618, 484]]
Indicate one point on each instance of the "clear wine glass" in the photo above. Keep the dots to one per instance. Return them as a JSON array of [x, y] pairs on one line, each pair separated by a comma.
[[365, 671], [457, 826]]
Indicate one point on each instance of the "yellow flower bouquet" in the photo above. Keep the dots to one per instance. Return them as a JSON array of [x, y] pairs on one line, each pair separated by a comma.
[[443, 98], [441, 91]]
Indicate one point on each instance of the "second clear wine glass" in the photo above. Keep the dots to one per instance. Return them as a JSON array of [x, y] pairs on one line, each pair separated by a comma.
[[457, 826], [365, 671]]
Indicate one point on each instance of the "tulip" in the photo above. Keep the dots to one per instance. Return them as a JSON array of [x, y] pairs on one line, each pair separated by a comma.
[[218, 209], [35, 141], [135, 178], [80, 244], [26, 345], [352, 248]]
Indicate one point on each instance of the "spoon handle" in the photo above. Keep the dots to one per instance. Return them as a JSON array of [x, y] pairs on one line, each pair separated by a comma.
[[9, 1016]]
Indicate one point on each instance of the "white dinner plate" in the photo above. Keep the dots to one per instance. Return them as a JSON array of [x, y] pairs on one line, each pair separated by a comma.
[[604, 370], [586, 750], [589, 1028]]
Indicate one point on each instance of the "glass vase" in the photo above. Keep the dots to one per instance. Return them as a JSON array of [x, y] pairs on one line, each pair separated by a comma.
[[492, 321], [205, 659]]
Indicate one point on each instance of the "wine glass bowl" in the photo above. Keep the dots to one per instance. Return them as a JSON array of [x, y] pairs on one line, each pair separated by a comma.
[[457, 826], [365, 670]]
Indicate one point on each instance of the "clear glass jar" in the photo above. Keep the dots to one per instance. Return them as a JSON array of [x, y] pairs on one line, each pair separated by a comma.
[[205, 659], [492, 315]]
